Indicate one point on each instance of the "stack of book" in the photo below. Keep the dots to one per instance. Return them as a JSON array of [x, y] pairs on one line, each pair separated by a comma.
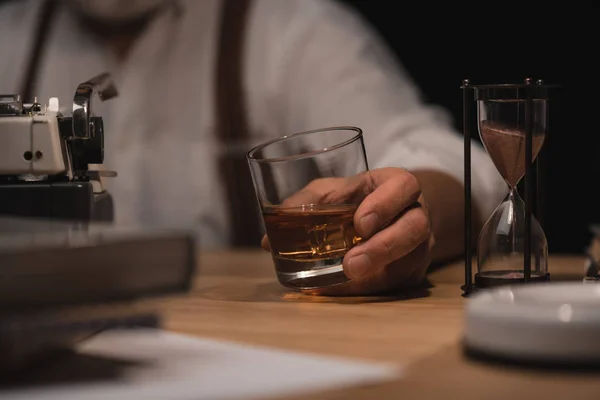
[[64, 282]]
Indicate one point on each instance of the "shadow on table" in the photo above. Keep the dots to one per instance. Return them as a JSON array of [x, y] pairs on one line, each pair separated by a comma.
[[68, 367], [460, 365], [273, 292], [532, 365]]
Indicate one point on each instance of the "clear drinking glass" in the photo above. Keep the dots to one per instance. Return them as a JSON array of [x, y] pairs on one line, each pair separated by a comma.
[[501, 111], [308, 234]]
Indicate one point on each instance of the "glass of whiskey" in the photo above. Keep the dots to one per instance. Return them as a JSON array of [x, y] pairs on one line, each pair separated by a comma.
[[308, 221]]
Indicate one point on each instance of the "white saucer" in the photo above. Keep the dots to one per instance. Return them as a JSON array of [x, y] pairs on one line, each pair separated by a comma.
[[538, 322]]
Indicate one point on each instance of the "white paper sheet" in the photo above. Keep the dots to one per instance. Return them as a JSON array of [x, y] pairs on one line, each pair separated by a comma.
[[173, 366]]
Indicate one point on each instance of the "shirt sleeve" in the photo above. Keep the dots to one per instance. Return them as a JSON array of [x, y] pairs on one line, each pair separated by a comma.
[[327, 67]]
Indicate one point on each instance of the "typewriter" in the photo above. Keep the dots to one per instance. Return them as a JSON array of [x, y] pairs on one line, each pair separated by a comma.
[[45, 156], [68, 270]]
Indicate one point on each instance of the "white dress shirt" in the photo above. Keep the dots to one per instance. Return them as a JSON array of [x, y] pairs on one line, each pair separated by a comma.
[[308, 64]]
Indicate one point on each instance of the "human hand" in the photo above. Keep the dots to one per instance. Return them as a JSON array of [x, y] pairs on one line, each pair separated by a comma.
[[392, 217]]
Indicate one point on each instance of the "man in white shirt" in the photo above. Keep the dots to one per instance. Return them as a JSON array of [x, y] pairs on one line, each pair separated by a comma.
[[307, 64]]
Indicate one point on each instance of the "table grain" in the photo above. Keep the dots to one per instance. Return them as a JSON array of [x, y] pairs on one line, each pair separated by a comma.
[[236, 297]]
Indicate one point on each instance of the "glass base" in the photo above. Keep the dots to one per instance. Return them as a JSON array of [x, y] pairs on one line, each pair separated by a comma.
[[303, 275], [499, 278]]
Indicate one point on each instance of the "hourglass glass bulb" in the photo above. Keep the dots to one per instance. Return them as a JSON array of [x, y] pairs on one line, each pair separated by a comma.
[[506, 116], [501, 243], [506, 148]]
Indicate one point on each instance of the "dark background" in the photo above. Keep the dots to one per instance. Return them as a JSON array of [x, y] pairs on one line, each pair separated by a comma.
[[441, 48]]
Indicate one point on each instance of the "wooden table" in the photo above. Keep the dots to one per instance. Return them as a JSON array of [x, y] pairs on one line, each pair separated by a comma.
[[236, 297]]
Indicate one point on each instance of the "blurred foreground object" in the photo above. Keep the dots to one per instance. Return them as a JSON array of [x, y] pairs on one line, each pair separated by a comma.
[[63, 282], [545, 325]]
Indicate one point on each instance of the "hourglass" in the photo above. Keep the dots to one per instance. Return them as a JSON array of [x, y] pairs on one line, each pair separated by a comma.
[[512, 123]]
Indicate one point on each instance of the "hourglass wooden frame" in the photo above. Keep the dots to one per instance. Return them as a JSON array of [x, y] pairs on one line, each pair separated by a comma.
[[532, 179]]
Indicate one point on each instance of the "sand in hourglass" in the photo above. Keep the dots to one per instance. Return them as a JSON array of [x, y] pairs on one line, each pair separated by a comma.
[[506, 148]]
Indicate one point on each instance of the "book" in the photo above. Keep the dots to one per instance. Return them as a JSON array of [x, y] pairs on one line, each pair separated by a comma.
[[64, 282], [49, 263]]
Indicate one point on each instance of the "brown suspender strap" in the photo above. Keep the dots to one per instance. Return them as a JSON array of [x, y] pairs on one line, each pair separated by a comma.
[[35, 56], [232, 126]]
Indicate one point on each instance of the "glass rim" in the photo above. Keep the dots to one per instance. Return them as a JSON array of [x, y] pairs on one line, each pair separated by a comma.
[[250, 155], [515, 92], [512, 86]]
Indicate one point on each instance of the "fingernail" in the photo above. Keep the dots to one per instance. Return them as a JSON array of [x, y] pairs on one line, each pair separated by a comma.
[[369, 223], [359, 265]]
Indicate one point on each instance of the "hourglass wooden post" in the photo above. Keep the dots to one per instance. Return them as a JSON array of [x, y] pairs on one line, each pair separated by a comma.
[[512, 123]]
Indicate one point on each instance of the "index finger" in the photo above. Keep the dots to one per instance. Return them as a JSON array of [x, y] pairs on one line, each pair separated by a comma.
[[393, 191]]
